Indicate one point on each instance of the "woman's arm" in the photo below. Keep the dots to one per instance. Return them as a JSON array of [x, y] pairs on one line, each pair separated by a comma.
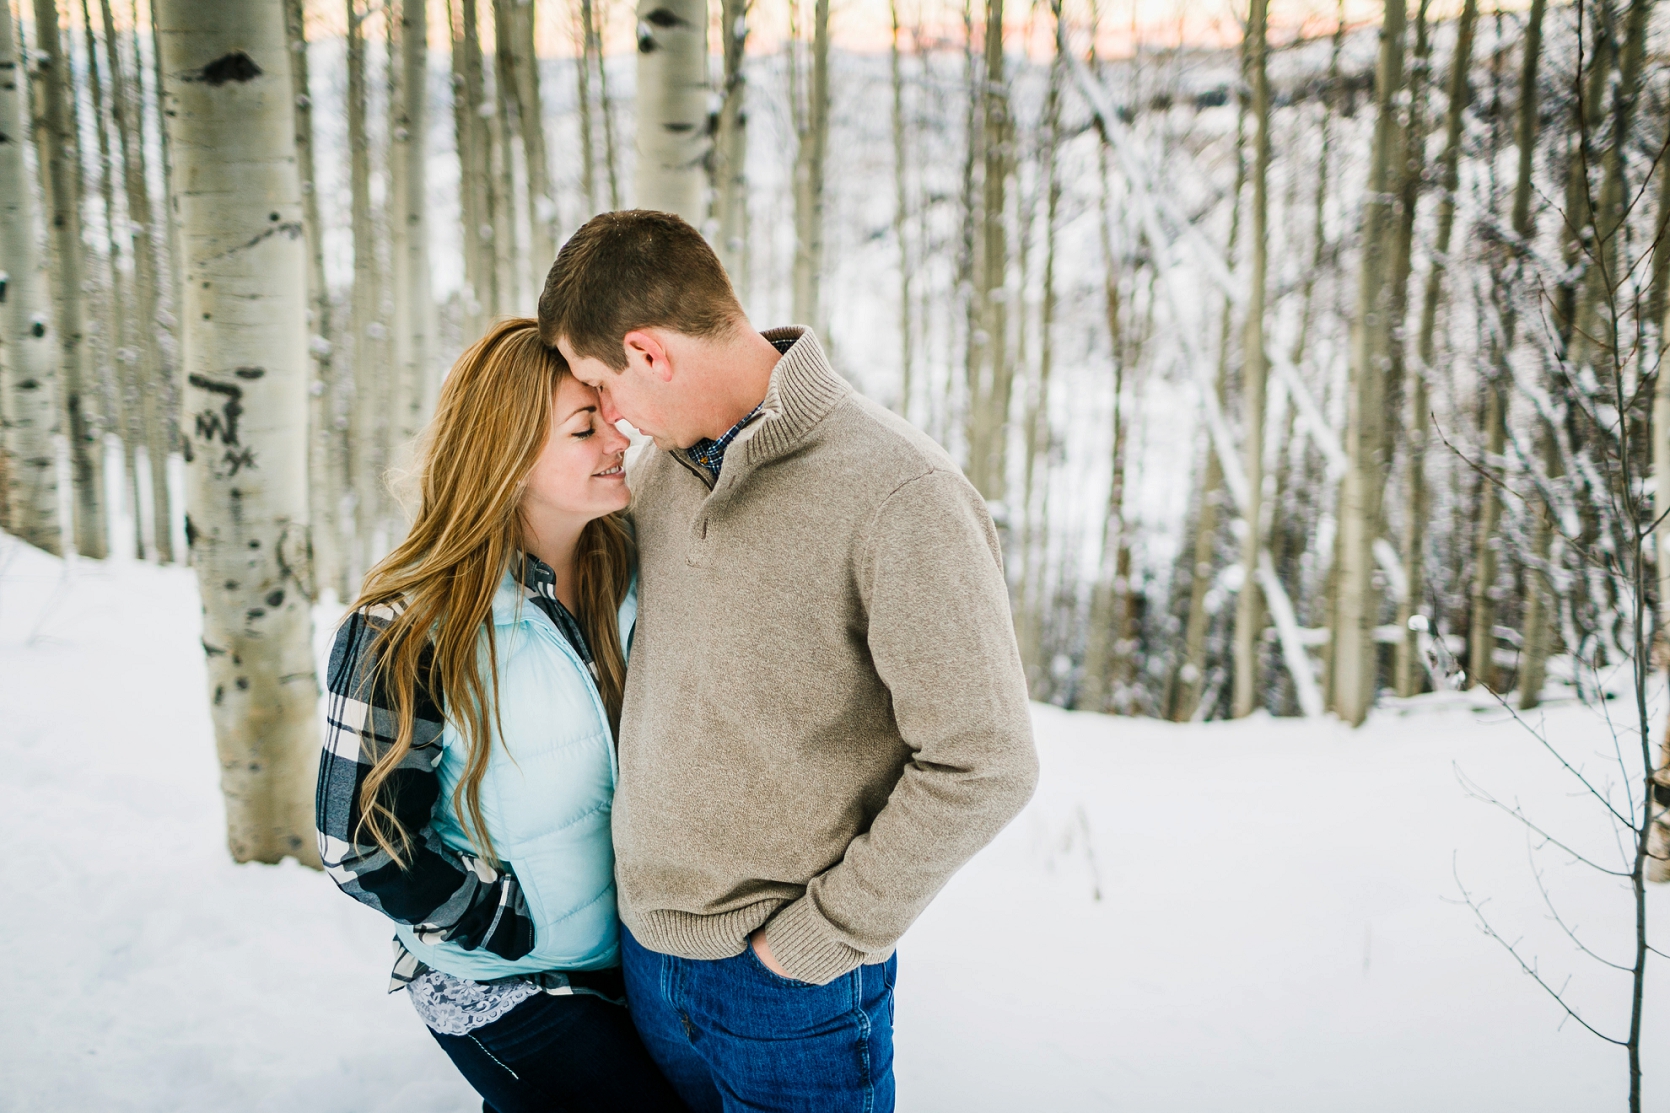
[[444, 895]]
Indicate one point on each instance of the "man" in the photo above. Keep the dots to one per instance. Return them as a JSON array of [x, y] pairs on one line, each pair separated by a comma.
[[825, 713]]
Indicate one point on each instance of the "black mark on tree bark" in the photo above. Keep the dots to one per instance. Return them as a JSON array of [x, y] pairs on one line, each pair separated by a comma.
[[236, 66]]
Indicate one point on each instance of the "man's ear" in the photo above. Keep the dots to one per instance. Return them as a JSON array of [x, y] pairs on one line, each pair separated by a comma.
[[645, 348]]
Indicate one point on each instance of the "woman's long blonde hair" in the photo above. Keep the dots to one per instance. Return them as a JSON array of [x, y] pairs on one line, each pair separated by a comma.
[[491, 423]]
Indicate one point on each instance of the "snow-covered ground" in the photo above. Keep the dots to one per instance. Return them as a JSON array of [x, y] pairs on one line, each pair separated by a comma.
[[1258, 916]]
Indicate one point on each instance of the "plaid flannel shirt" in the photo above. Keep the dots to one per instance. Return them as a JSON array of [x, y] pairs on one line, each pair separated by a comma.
[[709, 454], [443, 895]]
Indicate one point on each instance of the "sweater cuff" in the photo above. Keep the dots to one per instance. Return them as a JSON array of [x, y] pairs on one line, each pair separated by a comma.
[[804, 944]]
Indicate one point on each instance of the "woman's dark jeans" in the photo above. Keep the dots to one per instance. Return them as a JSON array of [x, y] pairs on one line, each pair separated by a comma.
[[576, 1054]]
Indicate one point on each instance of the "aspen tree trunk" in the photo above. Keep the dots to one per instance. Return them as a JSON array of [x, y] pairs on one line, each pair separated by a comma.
[[1541, 605], [1481, 633], [1602, 277], [118, 338], [1481, 639], [530, 115], [394, 300], [154, 249], [1660, 272], [1426, 352], [502, 181], [672, 106], [1249, 608], [169, 232], [1099, 649], [1035, 540], [901, 212], [363, 457], [808, 179], [460, 17], [730, 148], [323, 476], [582, 77], [475, 153], [1411, 168], [1192, 676], [988, 369], [1538, 633], [1571, 307], [29, 351], [418, 382], [147, 356], [1658, 865], [231, 111], [1659, 320], [1104, 650], [1355, 674], [611, 155], [1405, 678], [968, 244], [79, 389]]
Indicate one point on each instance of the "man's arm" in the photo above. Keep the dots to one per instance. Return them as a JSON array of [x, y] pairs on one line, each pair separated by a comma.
[[943, 642], [447, 897]]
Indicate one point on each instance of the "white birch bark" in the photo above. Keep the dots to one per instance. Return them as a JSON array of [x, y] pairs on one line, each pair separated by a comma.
[[364, 440], [118, 371], [394, 302], [501, 182], [901, 212], [460, 17], [78, 389], [730, 150], [1249, 604], [418, 383], [1408, 653], [583, 63], [1355, 671], [606, 104], [29, 350], [524, 87], [149, 371], [990, 381], [1035, 503], [230, 117], [323, 477], [672, 107]]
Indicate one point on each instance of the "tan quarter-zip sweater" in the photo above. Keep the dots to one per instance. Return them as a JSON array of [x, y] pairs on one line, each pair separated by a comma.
[[825, 712]]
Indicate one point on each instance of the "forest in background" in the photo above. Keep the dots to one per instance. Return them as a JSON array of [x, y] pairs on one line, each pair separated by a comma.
[[1305, 373]]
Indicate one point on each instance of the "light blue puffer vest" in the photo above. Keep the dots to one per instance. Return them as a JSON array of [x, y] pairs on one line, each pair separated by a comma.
[[545, 797]]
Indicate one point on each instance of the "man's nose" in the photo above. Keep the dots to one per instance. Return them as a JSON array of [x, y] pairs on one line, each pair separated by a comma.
[[614, 440], [611, 412]]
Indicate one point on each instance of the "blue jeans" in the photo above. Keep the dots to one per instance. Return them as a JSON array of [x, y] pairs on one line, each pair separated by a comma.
[[732, 1036]]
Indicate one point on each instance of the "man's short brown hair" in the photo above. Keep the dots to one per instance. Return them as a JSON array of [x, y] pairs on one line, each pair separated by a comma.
[[630, 270]]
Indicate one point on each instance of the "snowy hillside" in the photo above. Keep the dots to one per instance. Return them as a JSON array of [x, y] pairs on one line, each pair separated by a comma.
[[1257, 915]]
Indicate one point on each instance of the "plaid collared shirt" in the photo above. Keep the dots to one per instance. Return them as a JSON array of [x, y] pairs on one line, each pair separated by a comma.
[[442, 894], [710, 454]]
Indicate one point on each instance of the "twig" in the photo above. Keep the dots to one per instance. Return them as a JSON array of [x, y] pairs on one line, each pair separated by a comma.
[[1485, 926]]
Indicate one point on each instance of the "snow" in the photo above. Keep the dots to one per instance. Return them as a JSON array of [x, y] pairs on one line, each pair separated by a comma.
[[1261, 913]]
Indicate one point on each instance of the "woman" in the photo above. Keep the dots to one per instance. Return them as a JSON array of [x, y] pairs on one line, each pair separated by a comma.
[[469, 766]]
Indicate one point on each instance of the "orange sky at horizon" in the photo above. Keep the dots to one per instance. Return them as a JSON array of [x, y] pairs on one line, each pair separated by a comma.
[[865, 25]]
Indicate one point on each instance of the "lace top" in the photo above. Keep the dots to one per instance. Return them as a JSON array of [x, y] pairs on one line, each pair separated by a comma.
[[456, 1006]]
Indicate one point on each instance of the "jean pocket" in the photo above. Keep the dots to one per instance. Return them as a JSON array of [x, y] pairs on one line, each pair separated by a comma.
[[771, 975]]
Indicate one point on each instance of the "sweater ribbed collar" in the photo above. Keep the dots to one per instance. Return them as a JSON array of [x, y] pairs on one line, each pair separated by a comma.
[[803, 390]]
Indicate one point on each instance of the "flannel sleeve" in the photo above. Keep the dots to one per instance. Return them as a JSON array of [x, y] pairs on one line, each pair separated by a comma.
[[444, 895]]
